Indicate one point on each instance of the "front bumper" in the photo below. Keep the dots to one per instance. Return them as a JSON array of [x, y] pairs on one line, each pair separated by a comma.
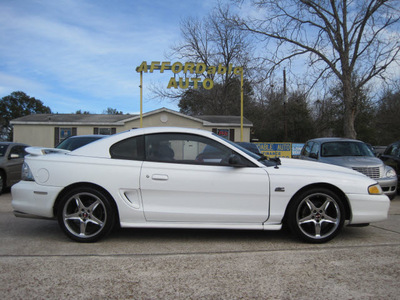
[[368, 208], [389, 186], [32, 200]]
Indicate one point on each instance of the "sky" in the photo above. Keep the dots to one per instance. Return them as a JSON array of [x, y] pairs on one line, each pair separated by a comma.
[[82, 54]]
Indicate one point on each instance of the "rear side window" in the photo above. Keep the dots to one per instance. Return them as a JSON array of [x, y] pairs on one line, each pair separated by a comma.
[[132, 149]]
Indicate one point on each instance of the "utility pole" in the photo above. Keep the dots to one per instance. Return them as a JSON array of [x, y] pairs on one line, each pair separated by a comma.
[[284, 106]]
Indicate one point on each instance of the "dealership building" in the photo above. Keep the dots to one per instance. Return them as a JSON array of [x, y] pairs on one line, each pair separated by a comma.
[[47, 130]]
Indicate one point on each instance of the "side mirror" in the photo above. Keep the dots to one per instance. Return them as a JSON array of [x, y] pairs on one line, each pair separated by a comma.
[[235, 161], [313, 155]]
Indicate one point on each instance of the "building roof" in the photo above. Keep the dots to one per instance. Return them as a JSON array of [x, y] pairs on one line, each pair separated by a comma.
[[71, 119], [224, 120], [120, 120]]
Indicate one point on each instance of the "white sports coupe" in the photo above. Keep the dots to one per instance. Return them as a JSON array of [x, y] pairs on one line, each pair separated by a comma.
[[189, 178]]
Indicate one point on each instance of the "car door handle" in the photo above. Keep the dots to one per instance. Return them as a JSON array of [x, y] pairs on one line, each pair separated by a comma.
[[160, 177]]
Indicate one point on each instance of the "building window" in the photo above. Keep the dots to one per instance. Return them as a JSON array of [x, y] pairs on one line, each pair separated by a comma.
[[61, 133], [65, 133], [104, 131], [228, 134]]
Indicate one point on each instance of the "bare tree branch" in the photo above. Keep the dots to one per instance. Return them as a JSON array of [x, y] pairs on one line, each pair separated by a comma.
[[348, 38]]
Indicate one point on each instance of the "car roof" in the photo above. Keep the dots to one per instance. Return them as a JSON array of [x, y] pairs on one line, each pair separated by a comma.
[[96, 149], [394, 143], [87, 136], [334, 139]]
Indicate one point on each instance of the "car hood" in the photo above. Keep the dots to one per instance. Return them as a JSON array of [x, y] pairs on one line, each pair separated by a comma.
[[353, 161], [316, 166]]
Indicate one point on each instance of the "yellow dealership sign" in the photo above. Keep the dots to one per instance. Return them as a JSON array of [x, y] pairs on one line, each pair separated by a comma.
[[191, 68], [271, 150]]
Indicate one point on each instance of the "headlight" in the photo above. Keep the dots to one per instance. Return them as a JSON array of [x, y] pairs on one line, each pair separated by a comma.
[[390, 172], [375, 189], [26, 173]]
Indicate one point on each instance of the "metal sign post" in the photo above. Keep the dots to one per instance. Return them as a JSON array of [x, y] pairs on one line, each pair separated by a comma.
[[241, 105], [141, 99]]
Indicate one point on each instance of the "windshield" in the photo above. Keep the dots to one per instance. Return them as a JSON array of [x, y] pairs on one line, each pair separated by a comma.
[[349, 148], [3, 149], [264, 160]]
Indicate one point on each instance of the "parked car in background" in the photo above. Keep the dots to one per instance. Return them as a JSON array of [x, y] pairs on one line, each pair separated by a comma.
[[352, 154], [251, 147], [391, 157], [11, 160], [153, 178], [74, 142]]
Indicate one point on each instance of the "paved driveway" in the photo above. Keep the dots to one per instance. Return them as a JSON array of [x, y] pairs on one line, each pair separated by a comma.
[[38, 262]]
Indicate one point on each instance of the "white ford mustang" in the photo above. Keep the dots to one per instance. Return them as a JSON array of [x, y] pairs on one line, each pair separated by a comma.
[[189, 178]]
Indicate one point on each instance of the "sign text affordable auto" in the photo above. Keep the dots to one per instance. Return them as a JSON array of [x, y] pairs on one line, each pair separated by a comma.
[[192, 68]]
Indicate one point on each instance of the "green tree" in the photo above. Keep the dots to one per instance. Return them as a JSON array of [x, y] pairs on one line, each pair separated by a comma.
[[80, 112], [333, 117], [387, 120], [112, 111], [276, 121], [15, 105], [222, 99]]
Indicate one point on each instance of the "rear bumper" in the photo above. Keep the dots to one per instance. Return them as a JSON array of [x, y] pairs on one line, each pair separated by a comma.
[[31, 200]]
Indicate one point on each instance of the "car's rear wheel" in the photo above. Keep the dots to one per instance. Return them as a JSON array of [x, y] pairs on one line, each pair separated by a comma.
[[316, 215], [85, 214]]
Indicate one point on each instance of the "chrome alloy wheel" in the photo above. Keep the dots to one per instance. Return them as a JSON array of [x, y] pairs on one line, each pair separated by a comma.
[[84, 215], [318, 216]]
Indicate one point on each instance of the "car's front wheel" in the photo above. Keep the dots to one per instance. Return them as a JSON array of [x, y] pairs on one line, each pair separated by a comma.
[[316, 215], [85, 214]]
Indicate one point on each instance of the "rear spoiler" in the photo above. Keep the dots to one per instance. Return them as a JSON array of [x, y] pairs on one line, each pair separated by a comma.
[[38, 151]]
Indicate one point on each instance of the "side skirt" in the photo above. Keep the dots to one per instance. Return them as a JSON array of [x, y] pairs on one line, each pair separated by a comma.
[[202, 226]]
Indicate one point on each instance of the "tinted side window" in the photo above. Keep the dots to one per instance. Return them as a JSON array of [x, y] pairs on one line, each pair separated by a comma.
[[17, 152], [131, 148], [187, 149]]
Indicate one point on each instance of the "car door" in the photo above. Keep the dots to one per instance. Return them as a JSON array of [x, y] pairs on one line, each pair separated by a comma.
[[15, 160], [184, 183]]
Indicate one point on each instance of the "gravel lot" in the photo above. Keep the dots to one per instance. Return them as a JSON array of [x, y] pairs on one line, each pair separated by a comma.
[[38, 262]]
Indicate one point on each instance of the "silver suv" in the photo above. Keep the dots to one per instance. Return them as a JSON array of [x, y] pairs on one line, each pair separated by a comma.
[[11, 160], [352, 154]]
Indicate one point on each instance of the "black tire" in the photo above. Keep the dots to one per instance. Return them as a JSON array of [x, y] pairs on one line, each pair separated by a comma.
[[85, 214], [316, 215]]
